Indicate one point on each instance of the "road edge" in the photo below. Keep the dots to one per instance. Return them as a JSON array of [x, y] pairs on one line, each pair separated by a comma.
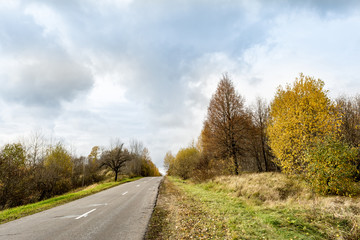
[[153, 209]]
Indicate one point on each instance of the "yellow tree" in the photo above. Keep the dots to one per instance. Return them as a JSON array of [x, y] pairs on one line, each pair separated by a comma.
[[300, 115], [148, 168], [94, 155], [185, 162], [168, 162]]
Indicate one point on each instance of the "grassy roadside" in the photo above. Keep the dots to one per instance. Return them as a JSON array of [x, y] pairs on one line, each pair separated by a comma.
[[246, 208], [178, 215], [22, 211]]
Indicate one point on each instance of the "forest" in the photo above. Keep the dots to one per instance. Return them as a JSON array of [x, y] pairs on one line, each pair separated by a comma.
[[301, 132]]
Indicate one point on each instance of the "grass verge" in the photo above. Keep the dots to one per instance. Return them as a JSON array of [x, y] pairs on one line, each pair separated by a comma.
[[178, 215], [22, 211], [226, 208]]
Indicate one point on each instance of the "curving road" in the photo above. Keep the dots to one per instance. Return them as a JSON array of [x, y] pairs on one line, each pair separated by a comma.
[[122, 212]]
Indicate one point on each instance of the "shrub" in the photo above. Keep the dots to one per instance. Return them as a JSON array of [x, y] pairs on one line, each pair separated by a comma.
[[331, 167]]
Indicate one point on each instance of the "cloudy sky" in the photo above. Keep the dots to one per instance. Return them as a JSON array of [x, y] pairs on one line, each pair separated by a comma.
[[91, 71]]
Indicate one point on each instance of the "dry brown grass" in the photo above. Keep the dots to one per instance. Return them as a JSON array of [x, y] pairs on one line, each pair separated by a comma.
[[266, 187], [277, 189]]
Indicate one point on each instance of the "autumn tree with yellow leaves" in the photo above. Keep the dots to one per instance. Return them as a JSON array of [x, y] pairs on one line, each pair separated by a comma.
[[300, 114], [306, 132]]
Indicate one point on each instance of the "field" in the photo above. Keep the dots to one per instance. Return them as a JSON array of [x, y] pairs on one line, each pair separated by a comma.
[[251, 206]]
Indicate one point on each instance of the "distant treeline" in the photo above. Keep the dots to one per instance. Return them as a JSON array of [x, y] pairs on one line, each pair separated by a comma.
[[301, 132], [36, 169]]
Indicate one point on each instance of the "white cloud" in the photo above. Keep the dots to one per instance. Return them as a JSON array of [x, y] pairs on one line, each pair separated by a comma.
[[8, 5], [304, 42], [106, 91], [134, 69], [51, 21]]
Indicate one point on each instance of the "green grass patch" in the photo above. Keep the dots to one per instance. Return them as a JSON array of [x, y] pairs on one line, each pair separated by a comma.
[[22, 211], [209, 211]]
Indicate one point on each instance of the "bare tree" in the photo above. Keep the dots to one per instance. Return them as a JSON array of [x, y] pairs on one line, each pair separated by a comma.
[[261, 148], [35, 147], [115, 158], [136, 149], [349, 109]]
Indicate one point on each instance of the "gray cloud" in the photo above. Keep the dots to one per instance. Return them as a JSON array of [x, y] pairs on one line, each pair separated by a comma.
[[46, 82], [36, 69]]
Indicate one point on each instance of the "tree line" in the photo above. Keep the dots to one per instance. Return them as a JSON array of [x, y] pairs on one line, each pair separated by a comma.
[[300, 132], [36, 169]]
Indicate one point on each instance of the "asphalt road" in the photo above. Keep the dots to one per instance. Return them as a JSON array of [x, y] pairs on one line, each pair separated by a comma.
[[121, 212]]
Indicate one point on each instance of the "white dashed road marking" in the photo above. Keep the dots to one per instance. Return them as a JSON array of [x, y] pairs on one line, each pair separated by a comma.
[[85, 214]]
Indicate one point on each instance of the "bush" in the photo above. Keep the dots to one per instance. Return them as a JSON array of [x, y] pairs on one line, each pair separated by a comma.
[[331, 167], [185, 162], [208, 169]]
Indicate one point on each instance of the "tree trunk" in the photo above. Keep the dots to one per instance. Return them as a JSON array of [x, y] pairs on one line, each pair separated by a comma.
[[116, 175], [236, 164], [259, 163], [266, 161], [234, 156]]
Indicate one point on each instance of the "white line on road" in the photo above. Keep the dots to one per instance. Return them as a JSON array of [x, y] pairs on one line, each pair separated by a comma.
[[85, 214], [137, 185], [124, 193], [97, 204]]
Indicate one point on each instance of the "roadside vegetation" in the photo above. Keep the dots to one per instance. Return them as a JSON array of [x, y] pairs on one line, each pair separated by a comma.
[[251, 206], [288, 169], [302, 133], [36, 168], [25, 210]]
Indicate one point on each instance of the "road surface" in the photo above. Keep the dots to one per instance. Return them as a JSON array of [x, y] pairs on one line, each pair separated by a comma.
[[121, 212]]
